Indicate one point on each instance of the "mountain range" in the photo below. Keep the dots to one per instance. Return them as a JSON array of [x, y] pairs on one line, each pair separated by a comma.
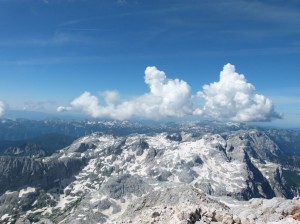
[[129, 172]]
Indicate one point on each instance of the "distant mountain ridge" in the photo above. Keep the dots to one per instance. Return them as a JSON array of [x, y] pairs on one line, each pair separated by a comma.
[[23, 129]]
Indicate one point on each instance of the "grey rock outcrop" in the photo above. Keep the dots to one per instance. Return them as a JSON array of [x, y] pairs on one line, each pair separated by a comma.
[[125, 185]]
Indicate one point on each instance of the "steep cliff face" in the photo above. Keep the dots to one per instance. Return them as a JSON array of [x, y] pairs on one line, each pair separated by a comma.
[[28, 149]]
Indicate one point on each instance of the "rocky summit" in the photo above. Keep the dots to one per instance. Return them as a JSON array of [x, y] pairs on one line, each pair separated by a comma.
[[237, 176]]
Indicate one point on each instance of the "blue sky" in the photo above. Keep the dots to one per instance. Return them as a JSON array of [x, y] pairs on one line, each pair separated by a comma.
[[53, 51]]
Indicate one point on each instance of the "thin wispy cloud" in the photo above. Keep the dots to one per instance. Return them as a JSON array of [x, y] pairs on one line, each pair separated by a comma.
[[58, 39], [121, 2], [47, 105], [231, 98], [77, 21], [238, 14], [56, 60]]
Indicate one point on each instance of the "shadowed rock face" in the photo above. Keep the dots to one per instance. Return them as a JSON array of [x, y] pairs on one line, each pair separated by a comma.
[[258, 186], [28, 149], [174, 137], [17, 172], [139, 147]]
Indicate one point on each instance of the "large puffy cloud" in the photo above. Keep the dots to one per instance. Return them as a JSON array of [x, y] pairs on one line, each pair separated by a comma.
[[232, 98], [2, 108], [166, 98]]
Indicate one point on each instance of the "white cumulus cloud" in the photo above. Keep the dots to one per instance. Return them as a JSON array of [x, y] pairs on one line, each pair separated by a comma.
[[2, 108], [231, 98], [166, 98]]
